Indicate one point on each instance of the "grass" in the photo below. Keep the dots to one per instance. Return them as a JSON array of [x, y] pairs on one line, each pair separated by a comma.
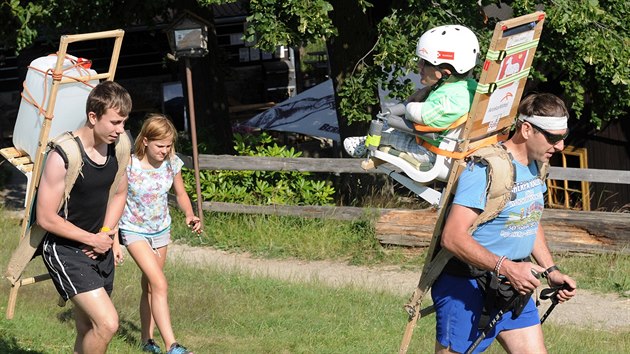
[[355, 243], [230, 312], [293, 237]]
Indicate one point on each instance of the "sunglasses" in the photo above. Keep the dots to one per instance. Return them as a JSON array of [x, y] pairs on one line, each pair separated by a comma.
[[552, 139]]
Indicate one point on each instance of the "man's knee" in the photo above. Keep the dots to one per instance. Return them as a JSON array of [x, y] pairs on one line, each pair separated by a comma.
[[107, 327]]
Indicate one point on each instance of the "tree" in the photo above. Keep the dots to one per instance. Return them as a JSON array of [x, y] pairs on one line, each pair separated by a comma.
[[583, 54]]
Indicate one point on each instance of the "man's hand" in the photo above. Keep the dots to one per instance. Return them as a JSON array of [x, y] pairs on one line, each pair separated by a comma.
[[568, 285], [100, 243], [521, 275]]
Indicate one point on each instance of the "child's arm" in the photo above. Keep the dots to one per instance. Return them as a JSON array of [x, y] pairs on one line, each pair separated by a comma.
[[414, 112], [414, 105], [184, 203], [420, 95]]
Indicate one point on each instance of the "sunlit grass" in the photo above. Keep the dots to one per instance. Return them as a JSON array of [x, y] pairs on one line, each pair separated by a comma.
[[218, 311]]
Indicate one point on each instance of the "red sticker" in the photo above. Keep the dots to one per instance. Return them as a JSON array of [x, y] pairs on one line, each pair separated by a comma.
[[446, 55]]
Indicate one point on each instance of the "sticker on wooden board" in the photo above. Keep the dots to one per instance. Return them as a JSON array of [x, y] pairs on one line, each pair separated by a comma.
[[502, 99], [512, 64], [500, 105], [520, 38]]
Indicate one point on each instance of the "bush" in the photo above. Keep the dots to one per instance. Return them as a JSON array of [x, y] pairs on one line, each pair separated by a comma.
[[260, 187]]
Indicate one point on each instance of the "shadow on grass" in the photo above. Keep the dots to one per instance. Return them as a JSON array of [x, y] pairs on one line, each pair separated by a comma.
[[130, 332], [9, 345]]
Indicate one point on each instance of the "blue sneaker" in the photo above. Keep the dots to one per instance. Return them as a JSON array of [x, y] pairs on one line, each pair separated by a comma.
[[151, 347], [178, 349]]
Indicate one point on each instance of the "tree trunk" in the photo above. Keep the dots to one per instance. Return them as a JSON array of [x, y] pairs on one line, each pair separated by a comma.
[[214, 129], [356, 38]]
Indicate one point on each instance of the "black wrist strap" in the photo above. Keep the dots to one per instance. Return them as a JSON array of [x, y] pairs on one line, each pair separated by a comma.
[[549, 270]]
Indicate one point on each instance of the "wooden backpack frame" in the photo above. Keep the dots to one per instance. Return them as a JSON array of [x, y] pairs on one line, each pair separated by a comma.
[[33, 165], [493, 112]]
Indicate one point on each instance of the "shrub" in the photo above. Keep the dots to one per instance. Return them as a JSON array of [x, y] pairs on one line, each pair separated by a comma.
[[260, 187]]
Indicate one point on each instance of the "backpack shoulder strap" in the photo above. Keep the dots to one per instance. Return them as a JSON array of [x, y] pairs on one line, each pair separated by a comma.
[[500, 180], [69, 150], [543, 170], [123, 155]]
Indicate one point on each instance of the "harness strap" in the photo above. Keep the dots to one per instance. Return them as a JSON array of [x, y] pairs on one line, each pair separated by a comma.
[[427, 129], [500, 180], [461, 154], [501, 54], [491, 87]]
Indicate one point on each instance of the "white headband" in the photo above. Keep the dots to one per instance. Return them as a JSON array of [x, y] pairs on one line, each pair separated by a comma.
[[547, 123]]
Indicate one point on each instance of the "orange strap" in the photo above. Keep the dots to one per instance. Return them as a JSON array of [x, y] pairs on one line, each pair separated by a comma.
[[427, 129], [461, 154], [79, 65]]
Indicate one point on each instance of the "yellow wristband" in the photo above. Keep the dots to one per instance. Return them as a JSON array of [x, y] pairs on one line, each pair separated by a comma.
[[105, 229]]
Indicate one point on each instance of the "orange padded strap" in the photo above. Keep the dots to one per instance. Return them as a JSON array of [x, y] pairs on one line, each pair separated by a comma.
[[461, 154], [427, 129]]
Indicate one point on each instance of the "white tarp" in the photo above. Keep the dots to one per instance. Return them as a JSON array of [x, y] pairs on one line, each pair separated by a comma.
[[311, 112]]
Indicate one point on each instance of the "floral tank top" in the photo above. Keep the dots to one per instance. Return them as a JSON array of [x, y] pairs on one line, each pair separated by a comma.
[[146, 211]]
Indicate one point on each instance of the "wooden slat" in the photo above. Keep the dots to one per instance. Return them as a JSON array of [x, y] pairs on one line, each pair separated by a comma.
[[11, 153]]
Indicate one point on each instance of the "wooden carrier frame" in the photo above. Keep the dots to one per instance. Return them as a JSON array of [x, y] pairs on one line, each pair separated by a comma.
[[31, 166], [494, 110]]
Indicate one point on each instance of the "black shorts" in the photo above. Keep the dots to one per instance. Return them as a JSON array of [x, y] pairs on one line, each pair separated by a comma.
[[73, 272]]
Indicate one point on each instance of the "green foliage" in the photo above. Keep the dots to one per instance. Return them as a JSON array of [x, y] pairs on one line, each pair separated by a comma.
[[287, 22], [17, 20], [584, 47], [583, 54], [261, 187]]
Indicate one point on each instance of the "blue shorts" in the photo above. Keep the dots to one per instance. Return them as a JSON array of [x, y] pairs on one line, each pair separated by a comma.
[[458, 303], [155, 242]]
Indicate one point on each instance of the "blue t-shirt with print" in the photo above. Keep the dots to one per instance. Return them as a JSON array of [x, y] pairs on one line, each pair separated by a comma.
[[513, 232]]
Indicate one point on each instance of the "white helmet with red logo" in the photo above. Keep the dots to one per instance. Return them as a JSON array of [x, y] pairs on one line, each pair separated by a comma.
[[451, 44]]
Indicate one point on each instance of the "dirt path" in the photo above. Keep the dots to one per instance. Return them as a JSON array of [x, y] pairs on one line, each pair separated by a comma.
[[587, 309]]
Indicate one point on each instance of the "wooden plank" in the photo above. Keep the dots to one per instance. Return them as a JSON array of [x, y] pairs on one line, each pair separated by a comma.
[[302, 164], [11, 153], [590, 175]]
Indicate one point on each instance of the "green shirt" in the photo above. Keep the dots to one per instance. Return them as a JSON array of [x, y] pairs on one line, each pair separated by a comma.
[[444, 105]]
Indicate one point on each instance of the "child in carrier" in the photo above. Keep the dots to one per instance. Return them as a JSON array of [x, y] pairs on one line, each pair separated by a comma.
[[447, 56]]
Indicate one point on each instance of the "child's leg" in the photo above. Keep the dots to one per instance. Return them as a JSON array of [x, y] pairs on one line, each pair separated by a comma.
[[407, 143], [151, 264]]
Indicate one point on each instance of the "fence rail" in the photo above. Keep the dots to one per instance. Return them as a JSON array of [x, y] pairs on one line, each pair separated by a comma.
[[309, 164], [566, 230]]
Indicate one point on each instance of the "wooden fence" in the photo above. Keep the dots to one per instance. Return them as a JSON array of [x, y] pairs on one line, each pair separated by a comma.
[[307, 164], [566, 230]]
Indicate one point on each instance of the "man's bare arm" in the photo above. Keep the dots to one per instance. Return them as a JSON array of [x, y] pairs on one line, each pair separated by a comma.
[[458, 241]]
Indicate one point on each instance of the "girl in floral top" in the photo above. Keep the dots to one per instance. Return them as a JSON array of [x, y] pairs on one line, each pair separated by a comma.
[[145, 226]]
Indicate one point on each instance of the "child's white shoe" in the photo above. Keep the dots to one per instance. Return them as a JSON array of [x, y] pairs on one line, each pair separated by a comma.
[[355, 146]]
